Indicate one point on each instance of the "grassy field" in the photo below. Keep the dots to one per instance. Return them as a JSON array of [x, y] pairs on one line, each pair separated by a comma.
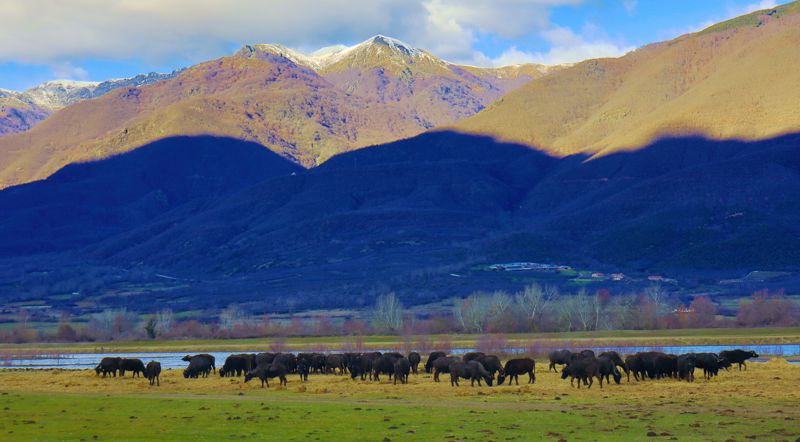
[[713, 336], [760, 403]]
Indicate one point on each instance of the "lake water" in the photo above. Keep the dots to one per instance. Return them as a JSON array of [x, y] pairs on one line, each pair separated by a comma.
[[77, 361]]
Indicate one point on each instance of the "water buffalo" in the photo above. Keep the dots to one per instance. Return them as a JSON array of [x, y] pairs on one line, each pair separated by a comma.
[[584, 370], [210, 358], [492, 364], [108, 365], [288, 360], [709, 362], [383, 365], [318, 362], [431, 358], [267, 372], [302, 369], [237, 365], [472, 370], [198, 366], [516, 367], [617, 360], [265, 358], [560, 357], [442, 365], [334, 362], [134, 365], [737, 357], [636, 366], [607, 368], [414, 358], [472, 356], [686, 365], [153, 372], [402, 367]]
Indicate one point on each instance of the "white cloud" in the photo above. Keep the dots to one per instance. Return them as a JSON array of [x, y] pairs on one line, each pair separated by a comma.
[[630, 6], [566, 46], [66, 71], [60, 34]]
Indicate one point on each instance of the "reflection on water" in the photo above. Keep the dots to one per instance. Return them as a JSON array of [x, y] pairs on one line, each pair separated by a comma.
[[173, 359]]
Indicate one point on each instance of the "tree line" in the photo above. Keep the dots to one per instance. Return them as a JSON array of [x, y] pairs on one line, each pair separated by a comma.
[[535, 308]]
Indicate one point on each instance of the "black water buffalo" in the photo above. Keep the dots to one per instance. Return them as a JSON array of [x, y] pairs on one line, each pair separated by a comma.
[[318, 362], [402, 367], [414, 358], [267, 372], [472, 370], [134, 365], [473, 356], [265, 358], [383, 365], [394, 354], [302, 369], [584, 370], [651, 363], [107, 366], [357, 367], [334, 362], [198, 366], [617, 360], [153, 372], [237, 365], [686, 365], [560, 357], [431, 358], [737, 357], [635, 365], [607, 368], [492, 364], [210, 358], [442, 365], [288, 360], [709, 362], [516, 367], [665, 366]]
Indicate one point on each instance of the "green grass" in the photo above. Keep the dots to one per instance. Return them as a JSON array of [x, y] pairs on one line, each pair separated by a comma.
[[345, 410]]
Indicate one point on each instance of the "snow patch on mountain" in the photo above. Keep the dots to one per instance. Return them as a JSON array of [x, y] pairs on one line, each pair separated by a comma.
[[327, 56]]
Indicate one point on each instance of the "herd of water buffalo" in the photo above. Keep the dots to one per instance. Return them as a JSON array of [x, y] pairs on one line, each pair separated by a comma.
[[478, 367]]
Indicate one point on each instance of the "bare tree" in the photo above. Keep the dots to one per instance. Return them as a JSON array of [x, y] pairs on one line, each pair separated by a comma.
[[532, 301], [388, 313], [582, 309], [165, 319], [232, 316], [473, 313]]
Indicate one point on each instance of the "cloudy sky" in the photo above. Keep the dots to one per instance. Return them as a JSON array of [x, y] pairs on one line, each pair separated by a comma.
[[100, 39]]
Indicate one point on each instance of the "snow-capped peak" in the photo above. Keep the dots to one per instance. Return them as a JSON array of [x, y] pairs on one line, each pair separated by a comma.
[[327, 56]]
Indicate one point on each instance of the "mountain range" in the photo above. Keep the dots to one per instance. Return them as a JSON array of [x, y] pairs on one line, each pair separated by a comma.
[[306, 109], [289, 181], [20, 111]]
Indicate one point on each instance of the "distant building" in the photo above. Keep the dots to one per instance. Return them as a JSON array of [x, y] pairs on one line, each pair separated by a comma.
[[655, 278], [528, 266], [598, 275], [617, 276]]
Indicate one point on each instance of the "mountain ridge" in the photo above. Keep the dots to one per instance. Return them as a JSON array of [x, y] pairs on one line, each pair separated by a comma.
[[264, 96]]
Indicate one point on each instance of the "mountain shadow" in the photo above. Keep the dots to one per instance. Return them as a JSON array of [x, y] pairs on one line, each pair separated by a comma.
[[89, 202], [408, 215]]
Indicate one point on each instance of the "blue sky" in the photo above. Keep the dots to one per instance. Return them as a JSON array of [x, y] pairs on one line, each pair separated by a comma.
[[101, 39]]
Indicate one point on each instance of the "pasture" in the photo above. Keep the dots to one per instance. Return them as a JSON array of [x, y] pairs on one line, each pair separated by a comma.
[[760, 403]]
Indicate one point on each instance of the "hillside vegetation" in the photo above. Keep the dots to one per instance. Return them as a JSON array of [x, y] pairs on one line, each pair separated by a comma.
[[266, 94], [737, 79]]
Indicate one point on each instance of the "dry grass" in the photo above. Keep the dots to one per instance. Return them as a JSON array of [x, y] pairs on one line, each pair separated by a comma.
[[758, 403]]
